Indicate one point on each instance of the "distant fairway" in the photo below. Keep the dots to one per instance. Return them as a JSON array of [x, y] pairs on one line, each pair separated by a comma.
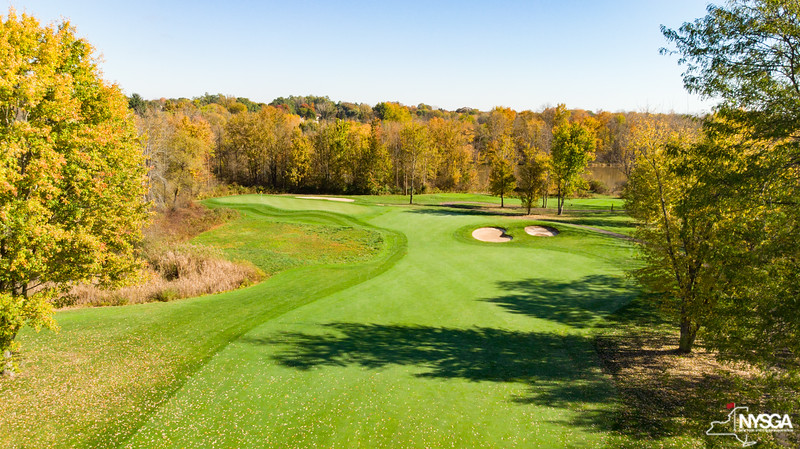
[[384, 326]]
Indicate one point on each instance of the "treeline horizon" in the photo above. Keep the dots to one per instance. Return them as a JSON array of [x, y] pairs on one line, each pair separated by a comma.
[[312, 144]]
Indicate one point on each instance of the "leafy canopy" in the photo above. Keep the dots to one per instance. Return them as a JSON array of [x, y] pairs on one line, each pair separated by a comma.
[[72, 179], [573, 149], [748, 170]]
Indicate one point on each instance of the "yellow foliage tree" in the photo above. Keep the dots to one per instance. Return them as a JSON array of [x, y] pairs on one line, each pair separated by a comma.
[[72, 177]]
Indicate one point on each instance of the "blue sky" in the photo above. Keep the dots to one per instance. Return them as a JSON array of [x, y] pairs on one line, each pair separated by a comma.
[[525, 54]]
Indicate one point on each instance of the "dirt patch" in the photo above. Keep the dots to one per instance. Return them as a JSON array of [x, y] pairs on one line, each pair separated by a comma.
[[541, 231], [327, 198], [493, 235]]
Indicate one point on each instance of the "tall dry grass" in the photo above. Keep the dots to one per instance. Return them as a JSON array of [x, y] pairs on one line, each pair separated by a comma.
[[174, 269], [179, 272]]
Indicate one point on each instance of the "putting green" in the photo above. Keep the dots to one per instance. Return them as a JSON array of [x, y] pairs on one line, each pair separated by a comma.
[[439, 341]]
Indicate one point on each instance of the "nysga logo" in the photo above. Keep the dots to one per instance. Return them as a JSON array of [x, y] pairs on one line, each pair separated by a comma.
[[741, 423]]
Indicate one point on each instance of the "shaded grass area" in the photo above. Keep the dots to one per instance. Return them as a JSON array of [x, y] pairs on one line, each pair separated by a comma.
[[618, 222], [583, 303], [99, 379], [668, 400], [557, 370]]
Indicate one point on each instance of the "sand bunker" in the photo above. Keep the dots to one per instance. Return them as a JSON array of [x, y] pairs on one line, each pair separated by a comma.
[[344, 200], [494, 235], [541, 231]]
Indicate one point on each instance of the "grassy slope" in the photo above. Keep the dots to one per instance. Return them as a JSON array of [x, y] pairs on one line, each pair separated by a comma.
[[96, 381], [458, 344], [461, 344]]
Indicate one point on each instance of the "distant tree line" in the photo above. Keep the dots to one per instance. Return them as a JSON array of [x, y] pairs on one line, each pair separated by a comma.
[[312, 144]]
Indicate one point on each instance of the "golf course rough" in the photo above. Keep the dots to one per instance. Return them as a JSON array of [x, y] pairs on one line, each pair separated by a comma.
[[437, 340]]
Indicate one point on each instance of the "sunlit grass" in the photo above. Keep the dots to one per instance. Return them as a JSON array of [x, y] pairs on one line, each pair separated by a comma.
[[380, 326]]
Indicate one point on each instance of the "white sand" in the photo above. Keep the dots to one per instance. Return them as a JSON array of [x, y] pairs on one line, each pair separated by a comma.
[[344, 200], [494, 235], [541, 231]]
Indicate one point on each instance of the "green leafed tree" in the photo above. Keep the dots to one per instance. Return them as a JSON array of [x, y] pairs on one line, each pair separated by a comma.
[[137, 103], [532, 177], [72, 176], [745, 55], [573, 149]]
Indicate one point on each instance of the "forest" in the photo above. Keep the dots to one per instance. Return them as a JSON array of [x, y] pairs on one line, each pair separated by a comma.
[[312, 144]]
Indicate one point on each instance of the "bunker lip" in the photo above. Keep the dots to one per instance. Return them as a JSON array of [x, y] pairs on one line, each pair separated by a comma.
[[541, 231], [328, 198], [493, 235]]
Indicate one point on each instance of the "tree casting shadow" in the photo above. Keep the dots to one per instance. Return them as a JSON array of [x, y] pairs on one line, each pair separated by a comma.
[[557, 370], [582, 303], [460, 209], [560, 369]]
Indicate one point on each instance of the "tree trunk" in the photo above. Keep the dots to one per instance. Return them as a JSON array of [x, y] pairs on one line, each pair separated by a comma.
[[688, 335], [6, 365], [411, 198], [501, 199], [560, 201]]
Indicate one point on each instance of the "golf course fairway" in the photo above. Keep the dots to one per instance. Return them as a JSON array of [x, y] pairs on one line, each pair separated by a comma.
[[432, 339]]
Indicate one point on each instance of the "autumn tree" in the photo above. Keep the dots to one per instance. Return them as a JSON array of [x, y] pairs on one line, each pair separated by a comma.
[[496, 127], [415, 144], [675, 233], [532, 176], [258, 144], [451, 145], [155, 132], [190, 145], [501, 178], [573, 149], [392, 112], [552, 118], [72, 179], [371, 164], [744, 55], [299, 161], [331, 144]]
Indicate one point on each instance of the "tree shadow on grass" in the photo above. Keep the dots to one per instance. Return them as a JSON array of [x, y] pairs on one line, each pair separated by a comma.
[[655, 394], [582, 303], [461, 209], [560, 369], [598, 220]]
